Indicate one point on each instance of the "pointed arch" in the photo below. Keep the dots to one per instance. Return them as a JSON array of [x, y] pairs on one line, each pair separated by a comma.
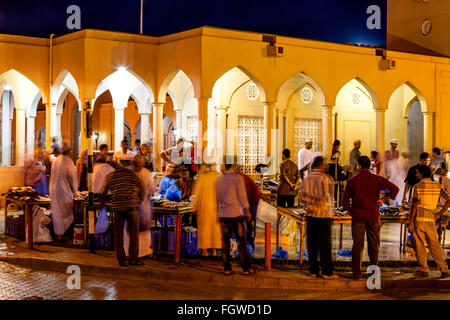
[[124, 83], [174, 89], [248, 74], [296, 82], [23, 89], [363, 87]]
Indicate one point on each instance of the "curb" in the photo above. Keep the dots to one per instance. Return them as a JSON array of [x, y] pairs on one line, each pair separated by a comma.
[[259, 281]]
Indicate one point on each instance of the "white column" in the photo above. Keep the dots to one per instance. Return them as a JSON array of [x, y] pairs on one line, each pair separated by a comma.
[[6, 130], [158, 133], [221, 127], [58, 127], [20, 137], [202, 112], [145, 127], [326, 131], [281, 113], [179, 122], [30, 134], [53, 124], [118, 127], [380, 133], [428, 131]]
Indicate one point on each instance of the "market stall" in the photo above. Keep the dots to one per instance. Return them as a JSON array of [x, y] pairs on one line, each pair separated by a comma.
[[398, 215], [163, 208]]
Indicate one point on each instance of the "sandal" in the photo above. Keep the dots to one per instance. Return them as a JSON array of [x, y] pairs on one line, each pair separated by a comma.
[[228, 272], [249, 271], [137, 263]]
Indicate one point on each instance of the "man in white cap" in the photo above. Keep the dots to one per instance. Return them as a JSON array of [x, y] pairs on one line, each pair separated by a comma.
[[354, 155], [391, 154], [305, 157]]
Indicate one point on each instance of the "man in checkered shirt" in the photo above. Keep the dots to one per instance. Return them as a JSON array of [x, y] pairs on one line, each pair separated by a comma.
[[422, 221]]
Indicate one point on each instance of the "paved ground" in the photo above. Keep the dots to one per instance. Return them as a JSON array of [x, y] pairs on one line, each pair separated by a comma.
[[42, 273], [389, 244], [24, 283]]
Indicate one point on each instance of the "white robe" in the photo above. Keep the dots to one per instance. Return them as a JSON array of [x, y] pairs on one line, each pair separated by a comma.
[[305, 157], [101, 170], [63, 186], [398, 170], [145, 239]]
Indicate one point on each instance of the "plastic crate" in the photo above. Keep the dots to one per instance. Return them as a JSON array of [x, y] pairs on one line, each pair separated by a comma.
[[160, 240], [188, 242], [15, 226]]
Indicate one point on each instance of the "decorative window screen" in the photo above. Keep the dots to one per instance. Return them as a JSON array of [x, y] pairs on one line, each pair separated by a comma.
[[192, 128], [250, 144], [356, 98], [307, 128]]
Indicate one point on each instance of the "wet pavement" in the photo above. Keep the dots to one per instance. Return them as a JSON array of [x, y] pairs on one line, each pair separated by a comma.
[[17, 283], [41, 274], [389, 244]]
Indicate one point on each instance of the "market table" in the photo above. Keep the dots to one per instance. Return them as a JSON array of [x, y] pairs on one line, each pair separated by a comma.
[[26, 205], [403, 220], [177, 214]]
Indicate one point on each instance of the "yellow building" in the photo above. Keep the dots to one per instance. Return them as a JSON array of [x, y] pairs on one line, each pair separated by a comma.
[[230, 87]]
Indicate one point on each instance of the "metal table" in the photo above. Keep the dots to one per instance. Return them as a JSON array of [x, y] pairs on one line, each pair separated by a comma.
[[177, 214], [403, 220]]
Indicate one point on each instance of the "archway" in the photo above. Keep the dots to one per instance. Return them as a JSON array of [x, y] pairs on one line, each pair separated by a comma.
[[303, 99], [19, 98], [130, 98], [237, 103], [355, 119], [404, 120]]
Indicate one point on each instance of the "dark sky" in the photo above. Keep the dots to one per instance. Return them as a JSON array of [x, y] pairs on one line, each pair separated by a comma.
[[329, 20]]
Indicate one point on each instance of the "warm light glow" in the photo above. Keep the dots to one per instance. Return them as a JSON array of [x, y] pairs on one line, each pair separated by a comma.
[[121, 69]]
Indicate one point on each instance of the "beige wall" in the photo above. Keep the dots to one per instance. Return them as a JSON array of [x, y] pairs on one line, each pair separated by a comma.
[[206, 54], [405, 18], [11, 177]]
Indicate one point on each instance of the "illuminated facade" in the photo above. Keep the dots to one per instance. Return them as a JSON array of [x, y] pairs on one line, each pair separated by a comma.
[[206, 81]]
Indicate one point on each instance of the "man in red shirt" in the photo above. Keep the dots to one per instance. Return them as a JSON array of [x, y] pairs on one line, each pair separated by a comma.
[[364, 190], [253, 196]]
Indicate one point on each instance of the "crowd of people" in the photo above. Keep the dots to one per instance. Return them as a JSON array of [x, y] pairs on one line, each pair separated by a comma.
[[226, 200], [361, 191]]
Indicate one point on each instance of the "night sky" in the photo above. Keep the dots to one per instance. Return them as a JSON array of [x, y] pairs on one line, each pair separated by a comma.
[[328, 20]]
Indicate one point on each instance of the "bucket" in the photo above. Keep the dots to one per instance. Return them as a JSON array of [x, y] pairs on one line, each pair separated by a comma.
[[78, 234]]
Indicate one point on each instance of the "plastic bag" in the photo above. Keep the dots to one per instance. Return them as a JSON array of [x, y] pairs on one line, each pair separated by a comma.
[[249, 251], [41, 232], [345, 253], [102, 225], [410, 241], [280, 253], [173, 193]]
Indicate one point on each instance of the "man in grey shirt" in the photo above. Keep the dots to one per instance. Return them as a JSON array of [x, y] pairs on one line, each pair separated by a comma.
[[354, 155], [233, 209]]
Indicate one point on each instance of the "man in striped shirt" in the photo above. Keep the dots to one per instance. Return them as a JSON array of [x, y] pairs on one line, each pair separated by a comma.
[[422, 221], [317, 194], [127, 192]]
